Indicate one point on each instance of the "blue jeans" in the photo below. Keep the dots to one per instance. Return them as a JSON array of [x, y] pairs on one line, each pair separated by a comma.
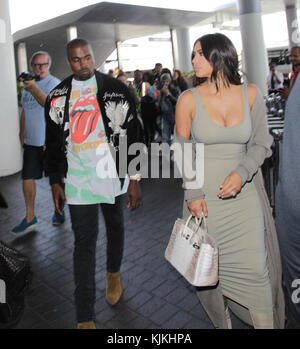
[[84, 220], [168, 121]]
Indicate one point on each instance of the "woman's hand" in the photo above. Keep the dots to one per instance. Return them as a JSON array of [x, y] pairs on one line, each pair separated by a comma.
[[197, 207], [231, 186]]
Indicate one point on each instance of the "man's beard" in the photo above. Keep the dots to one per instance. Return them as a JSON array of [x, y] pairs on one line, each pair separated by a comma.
[[85, 74]]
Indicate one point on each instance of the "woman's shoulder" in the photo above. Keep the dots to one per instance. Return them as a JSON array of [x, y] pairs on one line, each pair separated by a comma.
[[186, 96], [186, 104], [186, 100], [252, 90]]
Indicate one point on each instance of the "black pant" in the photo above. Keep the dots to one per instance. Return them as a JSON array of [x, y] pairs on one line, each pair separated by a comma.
[[33, 162], [84, 220], [148, 115]]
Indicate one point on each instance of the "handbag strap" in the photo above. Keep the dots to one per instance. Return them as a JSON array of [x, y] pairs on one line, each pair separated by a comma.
[[204, 221], [198, 223]]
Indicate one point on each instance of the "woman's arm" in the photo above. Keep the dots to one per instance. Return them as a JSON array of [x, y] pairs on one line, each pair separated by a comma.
[[259, 146], [193, 194], [185, 111], [233, 183]]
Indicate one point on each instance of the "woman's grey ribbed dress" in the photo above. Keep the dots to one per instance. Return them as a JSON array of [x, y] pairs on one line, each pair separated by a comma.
[[237, 224]]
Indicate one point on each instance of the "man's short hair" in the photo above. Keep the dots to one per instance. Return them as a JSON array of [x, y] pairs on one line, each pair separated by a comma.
[[75, 43], [121, 74], [158, 65], [40, 53], [295, 47]]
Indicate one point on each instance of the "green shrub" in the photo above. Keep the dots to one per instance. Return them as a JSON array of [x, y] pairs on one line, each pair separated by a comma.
[[20, 88]]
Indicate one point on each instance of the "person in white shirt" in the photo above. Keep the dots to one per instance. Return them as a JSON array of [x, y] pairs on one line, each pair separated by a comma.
[[85, 116], [275, 79]]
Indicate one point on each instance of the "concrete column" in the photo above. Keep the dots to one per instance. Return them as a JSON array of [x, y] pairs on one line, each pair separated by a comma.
[[10, 148], [22, 58], [292, 24], [254, 49], [119, 56], [71, 33], [174, 48], [182, 50]]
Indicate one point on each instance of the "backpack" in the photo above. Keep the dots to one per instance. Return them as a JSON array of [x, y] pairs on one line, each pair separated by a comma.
[[15, 276]]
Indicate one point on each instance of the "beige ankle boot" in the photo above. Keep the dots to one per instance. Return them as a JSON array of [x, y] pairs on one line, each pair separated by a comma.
[[113, 288], [86, 325]]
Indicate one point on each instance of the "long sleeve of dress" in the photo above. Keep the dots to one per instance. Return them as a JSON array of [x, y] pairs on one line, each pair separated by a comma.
[[260, 141]]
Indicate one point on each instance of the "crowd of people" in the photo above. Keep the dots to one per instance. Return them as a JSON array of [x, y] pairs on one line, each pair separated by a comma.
[[277, 82], [156, 93], [220, 112]]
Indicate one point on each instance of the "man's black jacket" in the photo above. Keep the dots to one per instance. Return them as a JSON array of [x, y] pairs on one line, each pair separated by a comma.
[[118, 111]]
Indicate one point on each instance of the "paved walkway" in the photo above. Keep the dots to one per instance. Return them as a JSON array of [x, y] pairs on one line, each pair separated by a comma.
[[155, 296]]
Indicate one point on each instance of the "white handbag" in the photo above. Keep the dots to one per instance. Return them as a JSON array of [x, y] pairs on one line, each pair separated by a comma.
[[193, 253]]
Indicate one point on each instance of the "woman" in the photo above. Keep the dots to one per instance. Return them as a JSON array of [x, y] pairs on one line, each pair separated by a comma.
[[167, 103], [229, 119], [179, 80]]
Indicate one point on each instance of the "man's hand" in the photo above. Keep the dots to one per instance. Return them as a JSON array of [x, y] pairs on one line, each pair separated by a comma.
[[231, 186], [59, 197], [40, 96], [134, 195], [29, 84], [284, 92], [165, 91]]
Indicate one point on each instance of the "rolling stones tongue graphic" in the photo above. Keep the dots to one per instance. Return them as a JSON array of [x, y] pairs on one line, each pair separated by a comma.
[[84, 118]]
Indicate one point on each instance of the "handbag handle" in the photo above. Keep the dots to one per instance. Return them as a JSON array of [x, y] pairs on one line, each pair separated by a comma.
[[198, 223], [202, 218]]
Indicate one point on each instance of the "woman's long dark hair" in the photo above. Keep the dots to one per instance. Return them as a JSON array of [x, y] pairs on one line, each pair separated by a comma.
[[180, 78], [220, 52]]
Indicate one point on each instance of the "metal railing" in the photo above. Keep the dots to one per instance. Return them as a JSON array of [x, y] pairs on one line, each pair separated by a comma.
[[275, 107]]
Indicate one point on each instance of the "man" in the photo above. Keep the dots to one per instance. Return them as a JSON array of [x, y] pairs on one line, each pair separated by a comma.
[[167, 103], [157, 73], [88, 117], [32, 136], [287, 207], [146, 106], [295, 60], [275, 79], [147, 96], [123, 77], [137, 84]]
